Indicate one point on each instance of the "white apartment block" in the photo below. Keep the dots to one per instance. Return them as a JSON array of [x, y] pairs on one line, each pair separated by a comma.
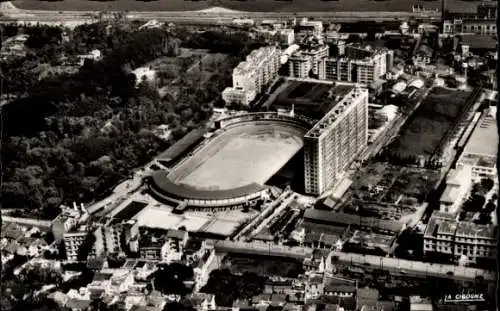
[[444, 235], [335, 141], [73, 242], [299, 65], [260, 68], [304, 62], [365, 71]]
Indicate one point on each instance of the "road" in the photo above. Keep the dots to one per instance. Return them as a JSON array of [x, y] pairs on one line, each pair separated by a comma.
[[397, 266]]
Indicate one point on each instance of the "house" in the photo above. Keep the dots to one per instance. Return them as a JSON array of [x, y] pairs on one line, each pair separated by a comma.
[[314, 288], [173, 248]]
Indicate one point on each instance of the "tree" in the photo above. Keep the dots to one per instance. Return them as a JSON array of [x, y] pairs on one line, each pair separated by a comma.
[[86, 247], [169, 279]]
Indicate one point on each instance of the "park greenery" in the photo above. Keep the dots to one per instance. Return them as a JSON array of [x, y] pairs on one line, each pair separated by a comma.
[[72, 136], [228, 287]]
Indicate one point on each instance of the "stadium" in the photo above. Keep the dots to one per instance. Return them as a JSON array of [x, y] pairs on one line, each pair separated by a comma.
[[230, 169]]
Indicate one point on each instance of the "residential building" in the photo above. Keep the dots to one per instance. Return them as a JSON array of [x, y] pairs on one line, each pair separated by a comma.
[[237, 95], [287, 36], [308, 60], [456, 239], [66, 221], [480, 155], [439, 235], [350, 67], [308, 28], [73, 242], [335, 141], [151, 248], [173, 248], [458, 185], [108, 239], [300, 65], [259, 69], [481, 22], [475, 241]]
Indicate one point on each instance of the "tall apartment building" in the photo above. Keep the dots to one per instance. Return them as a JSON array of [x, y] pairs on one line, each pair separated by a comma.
[[335, 141], [249, 77], [73, 242], [308, 60], [445, 236], [107, 241], [359, 70], [299, 65]]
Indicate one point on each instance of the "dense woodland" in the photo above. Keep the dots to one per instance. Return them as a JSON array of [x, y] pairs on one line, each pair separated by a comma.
[[71, 137]]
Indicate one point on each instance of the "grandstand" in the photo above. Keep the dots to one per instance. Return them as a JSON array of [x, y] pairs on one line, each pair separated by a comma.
[[230, 169]]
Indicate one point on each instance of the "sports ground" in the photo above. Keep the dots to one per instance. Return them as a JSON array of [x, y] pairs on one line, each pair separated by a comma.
[[239, 156], [248, 5]]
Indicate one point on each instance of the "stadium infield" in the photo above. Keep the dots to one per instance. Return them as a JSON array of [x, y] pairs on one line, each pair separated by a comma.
[[248, 6], [240, 156]]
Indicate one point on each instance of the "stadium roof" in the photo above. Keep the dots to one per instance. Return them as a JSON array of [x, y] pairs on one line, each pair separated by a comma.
[[349, 219], [182, 145], [162, 183]]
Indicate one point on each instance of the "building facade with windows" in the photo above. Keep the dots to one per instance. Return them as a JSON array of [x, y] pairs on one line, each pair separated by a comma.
[[249, 77], [458, 239], [365, 70], [335, 141]]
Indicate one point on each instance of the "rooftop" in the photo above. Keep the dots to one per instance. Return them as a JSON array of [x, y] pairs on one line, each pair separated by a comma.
[[341, 105], [485, 131], [438, 225], [350, 219], [220, 227], [451, 194], [469, 229]]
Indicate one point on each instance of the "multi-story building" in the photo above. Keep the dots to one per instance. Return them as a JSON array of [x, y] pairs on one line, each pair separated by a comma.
[[308, 60], [458, 184], [259, 69], [287, 36], [439, 235], [73, 242], [481, 22], [359, 70], [480, 155], [335, 141], [308, 28], [477, 242], [299, 65], [107, 239], [457, 239]]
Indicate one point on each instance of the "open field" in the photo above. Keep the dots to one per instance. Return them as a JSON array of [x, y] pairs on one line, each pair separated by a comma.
[[263, 265], [249, 5], [423, 132], [247, 154]]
